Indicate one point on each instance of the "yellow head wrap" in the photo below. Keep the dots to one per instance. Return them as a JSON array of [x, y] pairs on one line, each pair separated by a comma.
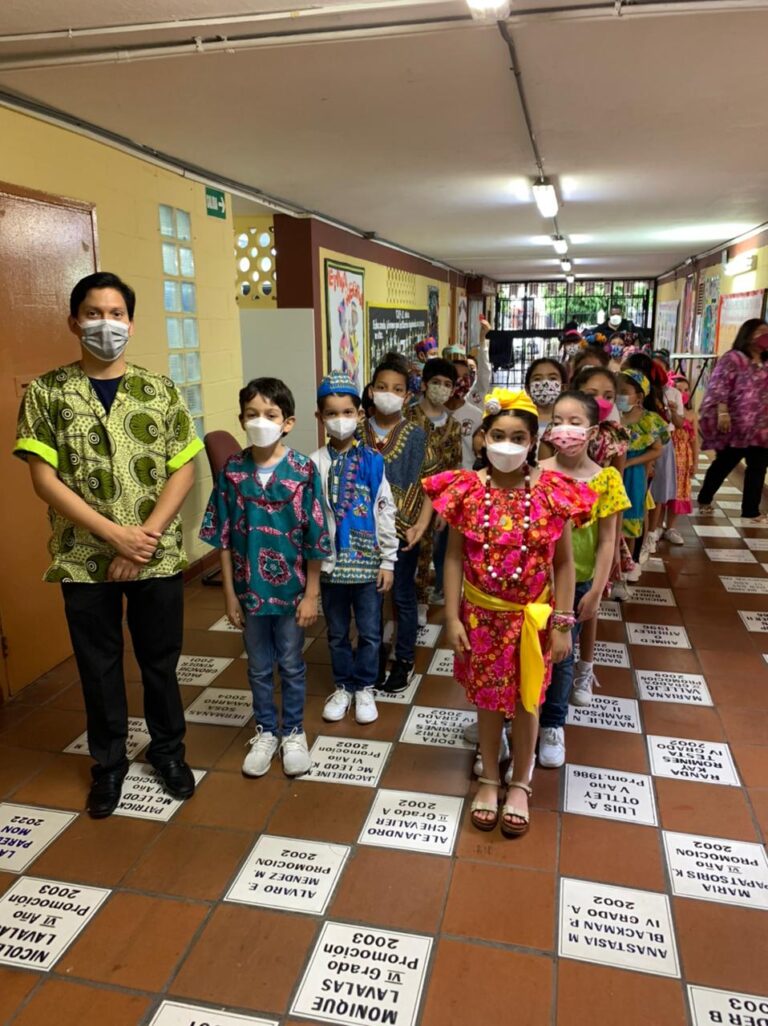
[[505, 399]]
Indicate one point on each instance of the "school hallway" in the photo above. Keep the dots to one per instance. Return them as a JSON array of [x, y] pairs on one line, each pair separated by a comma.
[[362, 893]]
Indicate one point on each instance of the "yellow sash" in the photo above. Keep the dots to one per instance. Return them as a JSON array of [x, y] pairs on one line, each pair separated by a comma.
[[535, 618]]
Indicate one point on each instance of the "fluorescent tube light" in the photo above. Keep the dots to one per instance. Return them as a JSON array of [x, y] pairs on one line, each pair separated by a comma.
[[546, 198]]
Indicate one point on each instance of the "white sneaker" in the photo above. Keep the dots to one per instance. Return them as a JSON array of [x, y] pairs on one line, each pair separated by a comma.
[[673, 536], [259, 759], [422, 612], [551, 747], [620, 592], [646, 551], [503, 755], [583, 676], [365, 706], [509, 776], [296, 758], [472, 733], [634, 575], [337, 705]]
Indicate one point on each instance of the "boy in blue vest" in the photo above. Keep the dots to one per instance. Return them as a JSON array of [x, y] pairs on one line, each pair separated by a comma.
[[361, 519]]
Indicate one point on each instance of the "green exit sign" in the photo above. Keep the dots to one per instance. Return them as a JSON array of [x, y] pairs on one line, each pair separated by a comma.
[[215, 203]]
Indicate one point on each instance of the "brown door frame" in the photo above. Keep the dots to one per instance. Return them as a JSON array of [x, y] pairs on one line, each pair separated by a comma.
[[47, 199]]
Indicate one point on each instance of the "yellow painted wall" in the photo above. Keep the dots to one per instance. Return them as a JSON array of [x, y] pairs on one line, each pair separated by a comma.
[[757, 279], [127, 192], [382, 289]]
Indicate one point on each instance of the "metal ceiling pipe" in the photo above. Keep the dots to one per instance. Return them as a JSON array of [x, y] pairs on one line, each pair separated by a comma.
[[197, 46], [310, 11]]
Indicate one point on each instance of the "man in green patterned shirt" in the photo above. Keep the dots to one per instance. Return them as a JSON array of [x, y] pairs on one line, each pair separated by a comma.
[[110, 449]]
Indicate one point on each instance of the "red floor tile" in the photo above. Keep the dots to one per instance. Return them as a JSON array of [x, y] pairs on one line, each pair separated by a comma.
[[134, 941], [394, 889], [14, 987], [247, 958], [721, 945], [76, 1004], [522, 911], [592, 994], [710, 809], [98, 852], [476, 984], [617, 853], [671, 720], [536, 849]]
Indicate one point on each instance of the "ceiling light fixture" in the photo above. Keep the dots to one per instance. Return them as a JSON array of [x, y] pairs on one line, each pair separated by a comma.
[[546, 198], [570, 278], [560, 244], [489, 10], [567, 266]]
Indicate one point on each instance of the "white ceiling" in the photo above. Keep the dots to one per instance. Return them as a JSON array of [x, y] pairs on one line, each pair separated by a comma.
[[419, 136]]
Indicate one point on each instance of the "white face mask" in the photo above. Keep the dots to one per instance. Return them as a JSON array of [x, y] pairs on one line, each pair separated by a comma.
[[439, 394], [341, 428], [506, 456], [545, 392], [615, 320], [105, 340], [262, 432], [387, 402]]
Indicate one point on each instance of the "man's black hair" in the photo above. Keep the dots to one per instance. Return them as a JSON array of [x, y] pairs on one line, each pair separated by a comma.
[[273, 390], [438, 367], [101, 280], [392, 362]]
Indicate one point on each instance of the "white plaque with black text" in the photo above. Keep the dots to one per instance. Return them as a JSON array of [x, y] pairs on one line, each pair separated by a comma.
[[618, 926], [606, 713], [413, 821], [360, 974], [610, 794], [666, 686], [347, 760], [444, 728], [717, 869], [26, 831], [681, 758], [289, 874]]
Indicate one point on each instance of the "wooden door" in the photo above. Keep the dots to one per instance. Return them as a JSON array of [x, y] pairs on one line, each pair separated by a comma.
[[46, 245]]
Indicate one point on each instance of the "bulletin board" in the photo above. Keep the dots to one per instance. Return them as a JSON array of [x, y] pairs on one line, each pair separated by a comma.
[[732, 311]]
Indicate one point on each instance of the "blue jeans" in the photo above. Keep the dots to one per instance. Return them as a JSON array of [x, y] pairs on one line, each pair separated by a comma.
[[438, 556], [353, 670], [555, 709], [280, 638], [404, 603]]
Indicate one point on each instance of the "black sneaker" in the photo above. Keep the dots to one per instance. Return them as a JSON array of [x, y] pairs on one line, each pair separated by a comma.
[[399, 677]]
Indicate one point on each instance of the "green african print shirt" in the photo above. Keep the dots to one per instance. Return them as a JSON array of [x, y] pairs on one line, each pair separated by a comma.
[[118, 463]]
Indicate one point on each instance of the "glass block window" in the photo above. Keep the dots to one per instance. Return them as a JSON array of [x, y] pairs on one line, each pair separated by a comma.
[[180, 304]]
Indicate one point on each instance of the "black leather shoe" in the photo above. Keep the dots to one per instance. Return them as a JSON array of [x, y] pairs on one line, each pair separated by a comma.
[[177, 778], [104, 796]]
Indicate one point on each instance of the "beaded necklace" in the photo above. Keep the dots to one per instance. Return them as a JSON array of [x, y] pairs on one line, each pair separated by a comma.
[[517, 573]]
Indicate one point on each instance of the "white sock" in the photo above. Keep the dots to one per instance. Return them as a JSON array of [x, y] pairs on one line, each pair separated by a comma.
[[583, 667]]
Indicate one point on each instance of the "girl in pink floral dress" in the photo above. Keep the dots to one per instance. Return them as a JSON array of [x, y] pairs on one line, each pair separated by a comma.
[[509, 537]]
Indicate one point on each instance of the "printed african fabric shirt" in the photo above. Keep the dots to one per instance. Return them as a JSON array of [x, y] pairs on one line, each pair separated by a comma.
[[443, 440], [408, 460], [271, 529], [118, 463]]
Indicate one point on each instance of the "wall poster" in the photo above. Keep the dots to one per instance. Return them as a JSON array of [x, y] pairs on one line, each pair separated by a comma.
[[460, 333], [395, 328], [666, 325], [709, 314], [732, 311], [345, 321], [433, 307]]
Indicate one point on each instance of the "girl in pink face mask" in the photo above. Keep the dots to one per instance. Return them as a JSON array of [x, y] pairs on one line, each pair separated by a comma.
[[575, 420]]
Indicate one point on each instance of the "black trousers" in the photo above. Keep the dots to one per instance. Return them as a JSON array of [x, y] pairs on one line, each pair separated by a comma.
[[156, 621], [756, 458]]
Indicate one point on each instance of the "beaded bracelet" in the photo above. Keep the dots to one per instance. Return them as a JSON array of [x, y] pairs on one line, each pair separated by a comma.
[[563, 621]]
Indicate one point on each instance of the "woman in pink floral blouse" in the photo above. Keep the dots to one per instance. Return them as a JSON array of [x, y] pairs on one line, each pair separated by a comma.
[[734, 419]]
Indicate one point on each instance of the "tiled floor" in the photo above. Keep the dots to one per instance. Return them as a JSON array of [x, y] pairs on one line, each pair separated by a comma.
[[639, 896]]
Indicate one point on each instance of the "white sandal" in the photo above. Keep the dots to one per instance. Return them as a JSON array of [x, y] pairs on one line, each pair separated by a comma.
[[515, 829]]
